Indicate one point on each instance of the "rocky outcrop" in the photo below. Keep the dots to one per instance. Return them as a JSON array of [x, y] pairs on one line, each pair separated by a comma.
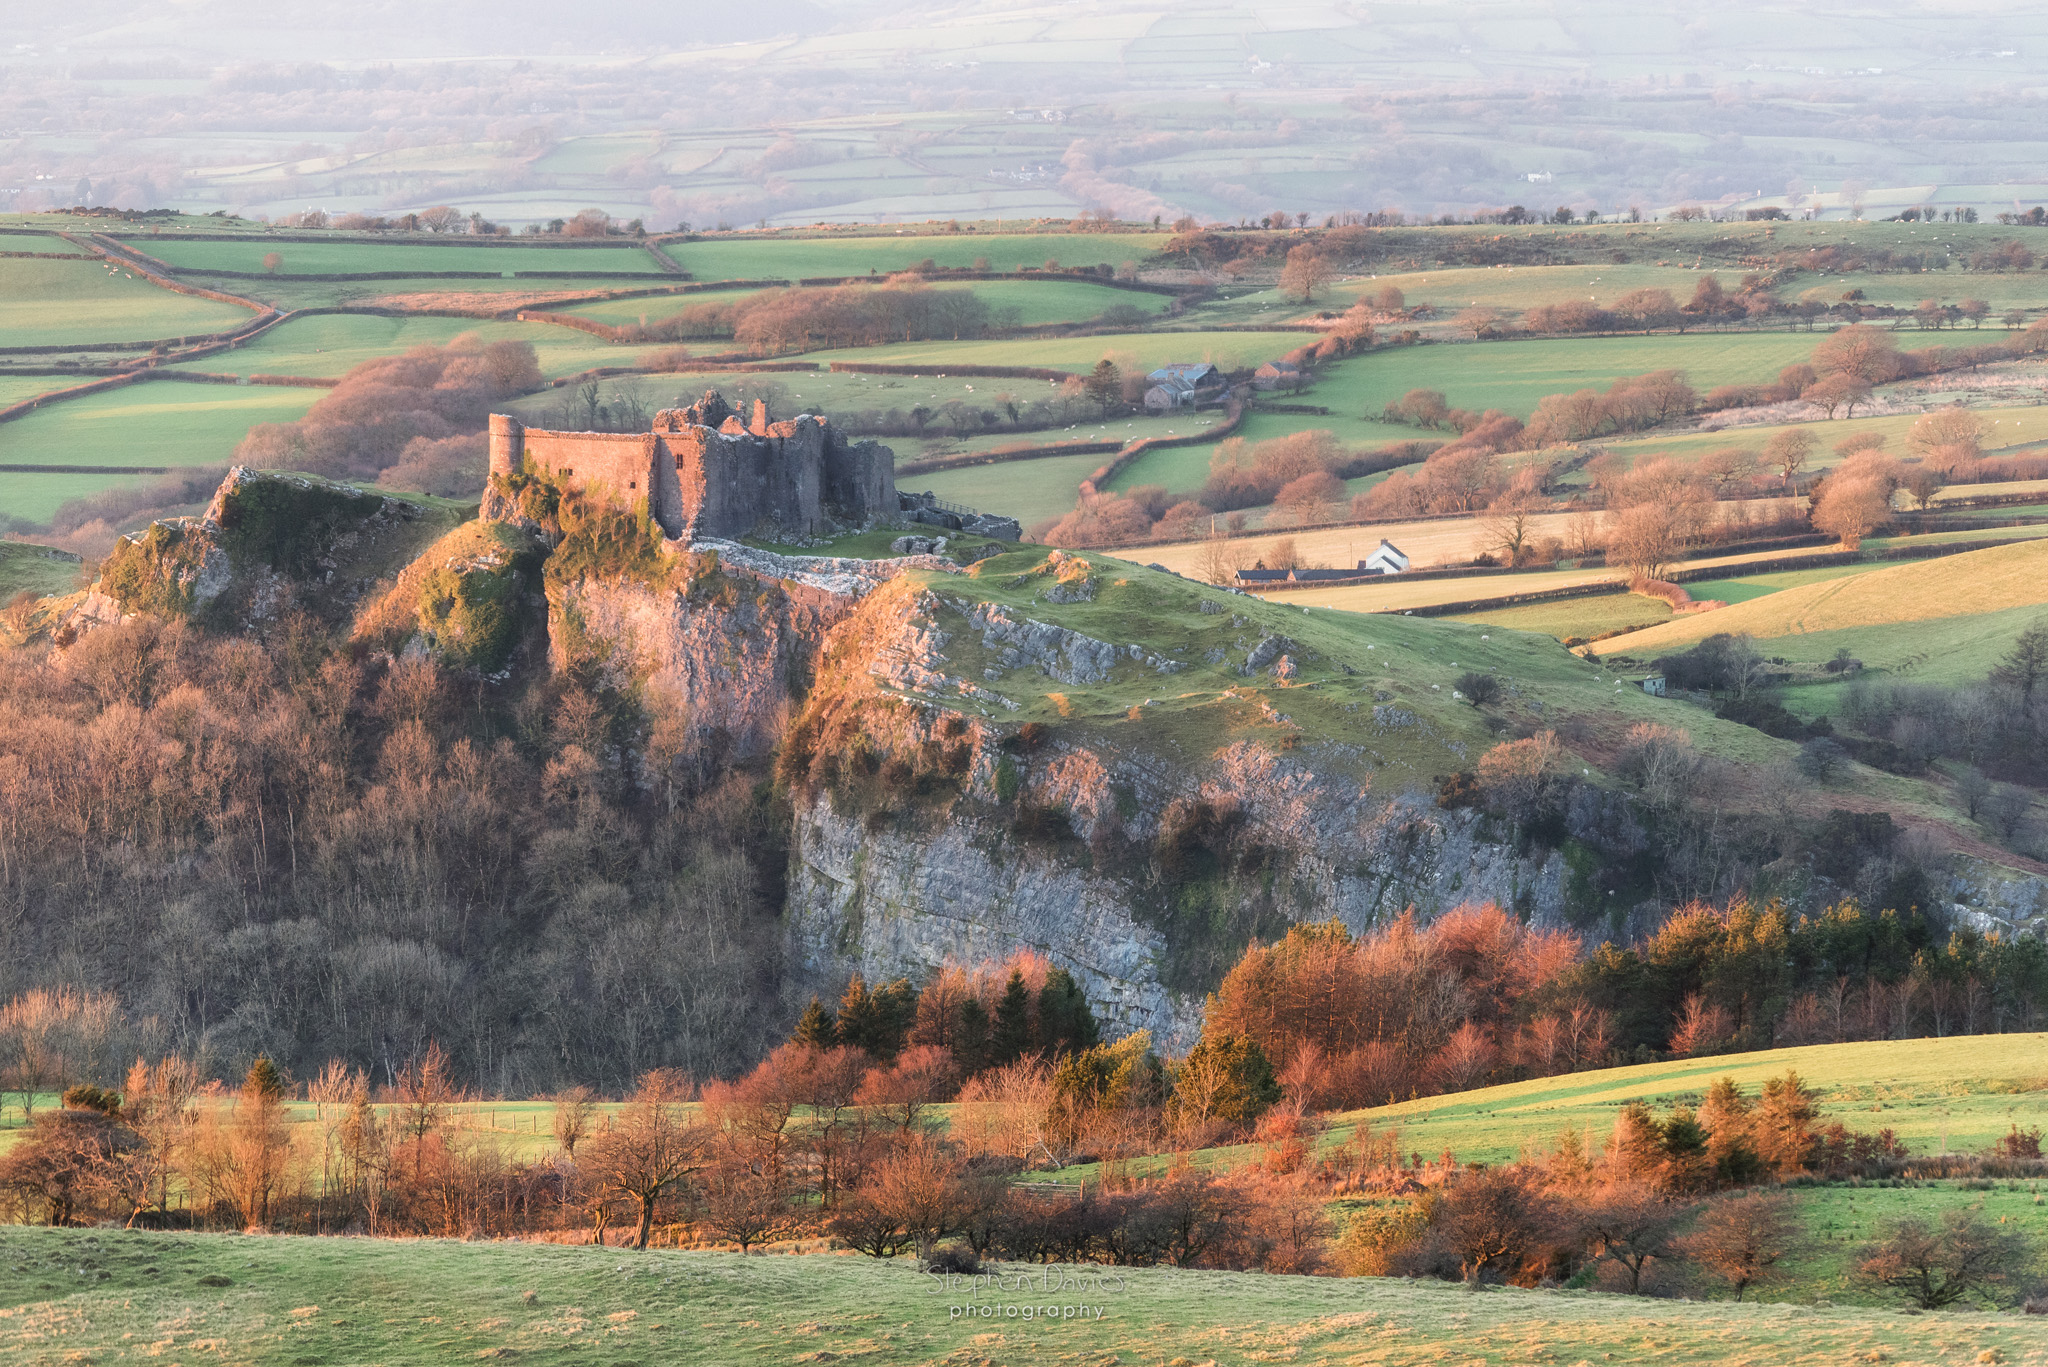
[[265, 542], [1988, 898], [731, 652]]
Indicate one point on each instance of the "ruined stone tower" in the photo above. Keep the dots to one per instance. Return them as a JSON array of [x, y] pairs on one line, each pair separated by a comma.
[[706, 473]]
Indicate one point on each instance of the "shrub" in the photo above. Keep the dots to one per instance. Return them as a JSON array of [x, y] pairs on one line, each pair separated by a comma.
[[1497, 1224], [1822, 760], [1763, 714], [1479, 689], [1965, 1258], [1744, 1241]]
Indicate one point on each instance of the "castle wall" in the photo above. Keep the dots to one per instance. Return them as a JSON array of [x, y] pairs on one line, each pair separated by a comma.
[[858, 474], [705, 471], [621, 463]]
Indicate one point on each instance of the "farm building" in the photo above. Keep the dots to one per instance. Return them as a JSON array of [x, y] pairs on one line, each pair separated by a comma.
[[1187, 385], [1388, 559], [1279, 375]]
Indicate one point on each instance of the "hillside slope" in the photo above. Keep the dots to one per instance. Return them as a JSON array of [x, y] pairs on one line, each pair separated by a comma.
[[1939, 1095]]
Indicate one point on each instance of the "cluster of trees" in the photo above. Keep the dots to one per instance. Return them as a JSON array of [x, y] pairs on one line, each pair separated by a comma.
[[417, 417], [439, 219], [1301, 474], [902, 309], [1645, 310], [1994, 734], [828, 1137], [1477, 998], [557, 885]]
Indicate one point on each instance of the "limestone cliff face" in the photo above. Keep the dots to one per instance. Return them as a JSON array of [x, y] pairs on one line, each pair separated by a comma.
[[967, 890], [889, 907]]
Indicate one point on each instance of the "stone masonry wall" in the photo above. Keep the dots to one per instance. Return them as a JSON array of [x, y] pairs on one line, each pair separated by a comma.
[[706, 472]]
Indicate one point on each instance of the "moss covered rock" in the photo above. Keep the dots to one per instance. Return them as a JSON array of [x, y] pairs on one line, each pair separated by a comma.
[[173, 569], [464, 600]]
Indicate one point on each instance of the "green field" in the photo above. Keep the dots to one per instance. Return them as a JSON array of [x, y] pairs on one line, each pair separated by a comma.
[[1227, 349], [47, 243], [746, 256], [2001, 289], [1028, 490], [1970, 1087], [34, 568], [33, 498], [49, 303], [341, 258], [1511, 376], [85, 1295], [330, 344], [15, 388], [185, 425], [1052, 301], [1896, 613], [2008, 427], [1742, 588], [1582, 617]]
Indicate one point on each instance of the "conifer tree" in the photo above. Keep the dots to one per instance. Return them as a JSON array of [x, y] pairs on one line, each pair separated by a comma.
[[1011, 1038], [858, 1017], [263, 1079], [971, 1040], [815, 1027], [1065, 1023]]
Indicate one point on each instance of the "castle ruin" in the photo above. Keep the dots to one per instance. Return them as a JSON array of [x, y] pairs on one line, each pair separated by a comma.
[[705, 472]]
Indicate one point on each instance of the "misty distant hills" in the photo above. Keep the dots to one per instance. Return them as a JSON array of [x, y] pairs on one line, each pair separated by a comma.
[[368, 30]]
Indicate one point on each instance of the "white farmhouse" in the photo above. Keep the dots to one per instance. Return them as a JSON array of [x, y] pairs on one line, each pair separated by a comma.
[[1388, 559]]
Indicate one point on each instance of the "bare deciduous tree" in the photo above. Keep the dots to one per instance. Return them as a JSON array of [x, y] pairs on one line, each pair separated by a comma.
[[1743, 1241], [646, 1156]]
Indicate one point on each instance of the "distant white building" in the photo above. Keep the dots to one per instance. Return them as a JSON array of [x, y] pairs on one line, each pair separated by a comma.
[[1388, 559]]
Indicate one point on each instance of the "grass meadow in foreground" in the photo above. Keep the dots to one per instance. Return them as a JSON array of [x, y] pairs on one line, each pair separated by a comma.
[[70, 1296]]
